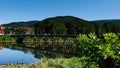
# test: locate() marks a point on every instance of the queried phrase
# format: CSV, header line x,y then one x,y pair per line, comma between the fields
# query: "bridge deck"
x,y
46,35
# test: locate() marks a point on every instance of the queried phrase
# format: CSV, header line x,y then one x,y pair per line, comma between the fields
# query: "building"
x,y
1,30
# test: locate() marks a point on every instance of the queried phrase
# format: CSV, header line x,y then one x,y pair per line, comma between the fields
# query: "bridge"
x,y
45,35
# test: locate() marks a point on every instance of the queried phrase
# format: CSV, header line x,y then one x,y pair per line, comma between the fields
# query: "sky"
x,y
27,10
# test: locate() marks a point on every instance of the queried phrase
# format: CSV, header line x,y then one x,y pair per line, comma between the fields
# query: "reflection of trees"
x,y
53,46
45,49
58,47
38,53
8,44
30,44
51,54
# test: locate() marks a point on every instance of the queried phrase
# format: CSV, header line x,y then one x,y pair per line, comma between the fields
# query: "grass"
x,y
58,63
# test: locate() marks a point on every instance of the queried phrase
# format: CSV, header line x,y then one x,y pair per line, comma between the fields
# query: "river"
x,y
15,54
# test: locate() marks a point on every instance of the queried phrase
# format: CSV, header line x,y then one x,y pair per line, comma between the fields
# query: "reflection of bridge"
x,y
46,35
65,47
48,51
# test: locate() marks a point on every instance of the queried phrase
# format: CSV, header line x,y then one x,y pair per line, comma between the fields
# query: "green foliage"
x,y
70,63
57,63
96,48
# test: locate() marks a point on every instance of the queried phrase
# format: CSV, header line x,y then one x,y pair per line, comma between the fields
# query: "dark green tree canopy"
x,y
64,24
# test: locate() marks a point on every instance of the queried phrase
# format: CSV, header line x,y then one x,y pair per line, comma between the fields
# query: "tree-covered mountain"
x,y
105,26
63,25
21,24
106,21
69,25
57,19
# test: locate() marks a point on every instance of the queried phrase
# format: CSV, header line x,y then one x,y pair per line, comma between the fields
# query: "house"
x,y
1,30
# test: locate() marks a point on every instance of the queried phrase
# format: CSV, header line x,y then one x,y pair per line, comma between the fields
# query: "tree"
x,y
59,28
99,28
112,27
39,28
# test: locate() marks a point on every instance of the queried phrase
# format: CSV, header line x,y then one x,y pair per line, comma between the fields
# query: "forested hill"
x,y
70,25
59,19
74,25
63,19
21,24
64,24
107,21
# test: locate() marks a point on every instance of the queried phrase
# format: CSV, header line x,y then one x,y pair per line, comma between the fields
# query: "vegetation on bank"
x,y
57,63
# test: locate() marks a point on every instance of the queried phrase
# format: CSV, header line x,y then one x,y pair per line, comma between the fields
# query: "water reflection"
x,y
54,46
47,50
33,52
8,56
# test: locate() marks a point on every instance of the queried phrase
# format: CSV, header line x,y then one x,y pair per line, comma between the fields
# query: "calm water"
x,y
8,56
13,54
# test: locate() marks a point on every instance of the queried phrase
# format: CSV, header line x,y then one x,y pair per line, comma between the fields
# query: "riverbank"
x,y
58,63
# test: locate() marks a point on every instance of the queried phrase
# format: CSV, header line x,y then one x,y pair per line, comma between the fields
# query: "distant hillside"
x,y
107,21
64,24
58,19
63,19
70,25
21,24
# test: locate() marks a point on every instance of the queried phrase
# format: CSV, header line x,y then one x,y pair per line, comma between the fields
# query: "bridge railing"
x,y
50,35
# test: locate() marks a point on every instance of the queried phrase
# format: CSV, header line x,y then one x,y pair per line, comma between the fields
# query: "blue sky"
x,y
27,10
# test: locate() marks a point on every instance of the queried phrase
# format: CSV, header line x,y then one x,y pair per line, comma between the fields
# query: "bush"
x,y
101,51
